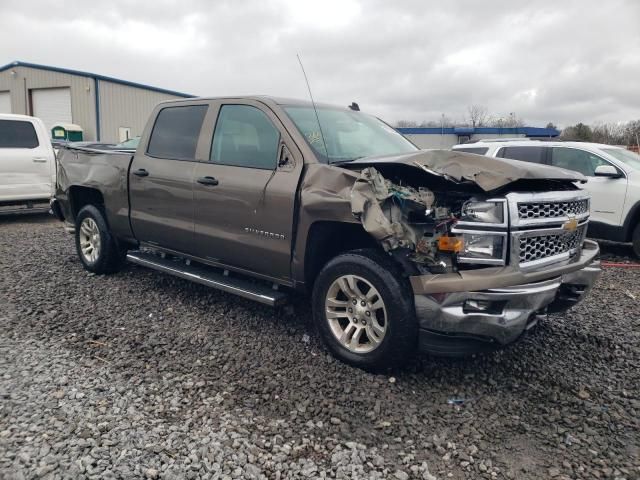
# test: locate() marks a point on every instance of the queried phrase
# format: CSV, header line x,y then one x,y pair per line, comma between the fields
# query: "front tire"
x,y
96,247
363,310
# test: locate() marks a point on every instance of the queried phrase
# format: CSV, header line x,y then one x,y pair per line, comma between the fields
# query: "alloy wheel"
x,y
89,240
356,313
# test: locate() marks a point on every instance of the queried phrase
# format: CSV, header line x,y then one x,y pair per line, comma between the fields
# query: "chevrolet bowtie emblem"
x,y
570,225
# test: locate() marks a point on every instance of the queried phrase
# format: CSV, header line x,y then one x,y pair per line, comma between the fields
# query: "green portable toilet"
x,y
67,131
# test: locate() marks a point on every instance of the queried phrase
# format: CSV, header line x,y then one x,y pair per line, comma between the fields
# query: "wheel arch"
x,y
326,240
80,196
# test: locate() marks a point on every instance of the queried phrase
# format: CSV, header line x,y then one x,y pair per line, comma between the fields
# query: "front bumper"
x,y
456,322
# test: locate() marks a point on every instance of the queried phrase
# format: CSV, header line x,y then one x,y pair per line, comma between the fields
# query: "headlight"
x,y
484,212
483,248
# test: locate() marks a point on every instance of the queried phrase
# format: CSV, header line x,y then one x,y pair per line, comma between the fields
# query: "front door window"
x,y
245,137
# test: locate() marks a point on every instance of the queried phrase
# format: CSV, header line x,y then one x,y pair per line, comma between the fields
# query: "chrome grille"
x,y
544,246
532,210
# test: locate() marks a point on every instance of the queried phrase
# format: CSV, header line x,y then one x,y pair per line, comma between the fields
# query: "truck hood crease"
x,y
489,173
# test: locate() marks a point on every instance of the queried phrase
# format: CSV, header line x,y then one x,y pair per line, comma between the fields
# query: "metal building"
x,y
108,109
446,137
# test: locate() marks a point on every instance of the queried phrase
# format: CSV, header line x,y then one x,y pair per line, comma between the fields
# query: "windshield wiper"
x,y
333,160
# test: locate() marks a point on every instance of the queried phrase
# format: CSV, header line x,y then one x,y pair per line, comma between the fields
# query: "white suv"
x,y
27,163
613,179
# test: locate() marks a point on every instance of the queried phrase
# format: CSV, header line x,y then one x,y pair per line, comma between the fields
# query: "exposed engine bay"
x,y
413,224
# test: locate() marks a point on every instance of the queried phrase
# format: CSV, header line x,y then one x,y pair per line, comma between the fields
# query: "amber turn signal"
x,y
450,244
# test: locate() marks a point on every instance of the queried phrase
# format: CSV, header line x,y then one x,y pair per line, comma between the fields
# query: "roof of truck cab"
x,y
264,99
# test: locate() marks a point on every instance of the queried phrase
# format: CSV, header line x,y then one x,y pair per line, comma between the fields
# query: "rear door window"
x,y
17,134
176,131
576,160
476,150
245,137
525,154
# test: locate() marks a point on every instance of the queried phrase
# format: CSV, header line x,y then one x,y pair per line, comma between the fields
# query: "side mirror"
x,y
285,160
607,171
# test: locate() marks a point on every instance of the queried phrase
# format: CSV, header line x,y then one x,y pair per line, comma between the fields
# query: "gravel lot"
x,y
139,374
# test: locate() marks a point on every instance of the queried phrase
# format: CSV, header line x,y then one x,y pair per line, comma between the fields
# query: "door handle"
x,y
141,172
40,159
208,181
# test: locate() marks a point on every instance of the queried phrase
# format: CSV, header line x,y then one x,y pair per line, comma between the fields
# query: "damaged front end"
x,y
421,228
487,251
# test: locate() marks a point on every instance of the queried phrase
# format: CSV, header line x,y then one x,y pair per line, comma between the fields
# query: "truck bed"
x,y
103,171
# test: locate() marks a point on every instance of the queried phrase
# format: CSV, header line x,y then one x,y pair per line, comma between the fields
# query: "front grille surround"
x,y
541,227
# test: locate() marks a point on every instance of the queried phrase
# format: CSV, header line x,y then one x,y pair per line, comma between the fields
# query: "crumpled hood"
x,y
488,173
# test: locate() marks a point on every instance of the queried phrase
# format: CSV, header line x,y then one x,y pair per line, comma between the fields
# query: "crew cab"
x,y
27,164
612,173
399,249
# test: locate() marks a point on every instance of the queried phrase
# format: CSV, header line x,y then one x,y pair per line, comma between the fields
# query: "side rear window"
x,y
526,154
17,134
176,131
476,150
245,137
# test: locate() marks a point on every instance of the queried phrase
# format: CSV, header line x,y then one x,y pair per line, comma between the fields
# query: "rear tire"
x,y
635,238
97,249
363,310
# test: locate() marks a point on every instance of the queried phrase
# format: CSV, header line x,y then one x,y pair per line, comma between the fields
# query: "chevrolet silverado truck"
x,y
400,249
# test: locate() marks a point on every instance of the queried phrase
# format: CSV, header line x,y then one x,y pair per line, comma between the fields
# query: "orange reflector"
x,y
450,244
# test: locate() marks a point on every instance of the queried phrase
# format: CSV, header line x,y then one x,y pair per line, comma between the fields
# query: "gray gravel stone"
x,y
139,375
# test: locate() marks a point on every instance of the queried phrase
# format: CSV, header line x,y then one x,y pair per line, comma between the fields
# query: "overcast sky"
x,y
547,61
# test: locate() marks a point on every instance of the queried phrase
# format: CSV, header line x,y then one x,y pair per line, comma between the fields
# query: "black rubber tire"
x,y
400,341
111,257
635,239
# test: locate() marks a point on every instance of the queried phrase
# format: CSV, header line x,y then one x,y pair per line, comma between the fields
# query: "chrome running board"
x,y
209,277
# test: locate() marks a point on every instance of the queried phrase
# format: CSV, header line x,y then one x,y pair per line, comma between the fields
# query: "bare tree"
x,y
632,133
506,121
609,133
477,115
514,121
579,132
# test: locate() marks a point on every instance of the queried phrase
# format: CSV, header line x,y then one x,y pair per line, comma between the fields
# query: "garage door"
x,y
52,105
5,102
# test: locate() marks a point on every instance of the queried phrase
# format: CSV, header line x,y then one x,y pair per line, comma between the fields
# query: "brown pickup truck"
x,y
399,248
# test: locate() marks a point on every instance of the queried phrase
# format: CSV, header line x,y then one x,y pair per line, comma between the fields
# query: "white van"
x,y
613,179
27,163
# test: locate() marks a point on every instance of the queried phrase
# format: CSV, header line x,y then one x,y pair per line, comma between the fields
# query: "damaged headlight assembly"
x,y
489,213
474,246
482,248
479,246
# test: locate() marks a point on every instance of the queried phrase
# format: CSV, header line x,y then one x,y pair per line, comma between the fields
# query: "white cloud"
x,y
546,61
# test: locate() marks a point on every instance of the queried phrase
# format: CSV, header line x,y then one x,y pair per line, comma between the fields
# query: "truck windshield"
x,y
345,135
